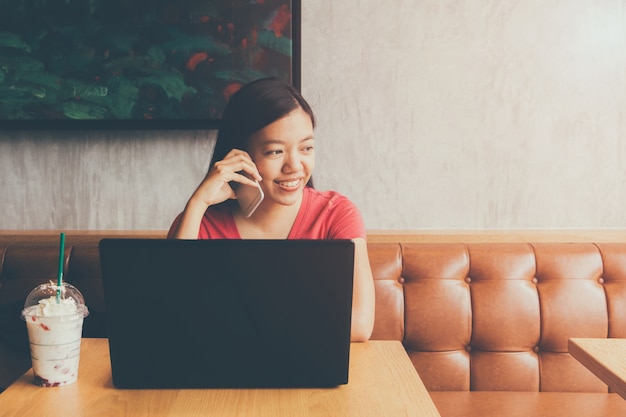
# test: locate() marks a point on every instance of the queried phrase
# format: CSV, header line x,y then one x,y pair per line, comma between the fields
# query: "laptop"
x,y
228,313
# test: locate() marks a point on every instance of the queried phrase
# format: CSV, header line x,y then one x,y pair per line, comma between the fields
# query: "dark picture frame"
x,y
138,64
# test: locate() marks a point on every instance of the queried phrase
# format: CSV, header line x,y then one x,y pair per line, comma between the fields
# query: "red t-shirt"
x,y
322,215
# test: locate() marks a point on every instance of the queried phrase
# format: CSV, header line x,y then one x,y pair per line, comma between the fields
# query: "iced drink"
x,y
54,319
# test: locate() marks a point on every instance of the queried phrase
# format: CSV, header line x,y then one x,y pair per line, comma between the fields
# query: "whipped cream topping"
x,y
49,307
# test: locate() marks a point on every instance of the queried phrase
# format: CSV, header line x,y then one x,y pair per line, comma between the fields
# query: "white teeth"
x,y
289,183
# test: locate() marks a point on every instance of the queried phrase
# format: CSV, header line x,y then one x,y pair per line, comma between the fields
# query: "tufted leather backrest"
x,y
490,316
498,316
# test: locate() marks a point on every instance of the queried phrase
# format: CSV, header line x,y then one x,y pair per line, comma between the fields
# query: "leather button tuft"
x,y
536,349
535,280
468,348
468,280
401,280
601,280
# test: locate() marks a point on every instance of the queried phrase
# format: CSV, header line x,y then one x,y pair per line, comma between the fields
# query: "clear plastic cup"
x,y
54,319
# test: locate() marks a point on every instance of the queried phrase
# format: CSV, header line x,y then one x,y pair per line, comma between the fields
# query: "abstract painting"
x,y
138,63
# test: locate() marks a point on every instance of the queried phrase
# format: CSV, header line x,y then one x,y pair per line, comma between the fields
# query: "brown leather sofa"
x,y
486,325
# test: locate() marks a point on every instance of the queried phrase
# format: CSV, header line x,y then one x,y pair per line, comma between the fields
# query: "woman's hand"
x,y
214,189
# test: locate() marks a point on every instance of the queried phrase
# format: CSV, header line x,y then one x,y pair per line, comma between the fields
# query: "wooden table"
x,y
606,358
382,382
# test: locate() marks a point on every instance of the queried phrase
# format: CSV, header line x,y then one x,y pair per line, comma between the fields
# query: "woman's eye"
x,y
308,149
273,152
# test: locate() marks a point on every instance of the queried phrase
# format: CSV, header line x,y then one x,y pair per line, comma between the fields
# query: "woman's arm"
x,y
214,189
187,225
363,298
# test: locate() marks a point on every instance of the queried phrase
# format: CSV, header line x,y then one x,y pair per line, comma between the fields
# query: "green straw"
x,y
60,274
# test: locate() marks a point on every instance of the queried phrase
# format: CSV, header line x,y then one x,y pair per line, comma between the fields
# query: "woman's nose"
x,y
293,162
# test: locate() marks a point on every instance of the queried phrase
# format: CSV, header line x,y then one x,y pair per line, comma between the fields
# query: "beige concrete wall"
x,y
476,114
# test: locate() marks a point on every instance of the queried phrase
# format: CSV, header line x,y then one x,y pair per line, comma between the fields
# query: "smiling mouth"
x,y
289,184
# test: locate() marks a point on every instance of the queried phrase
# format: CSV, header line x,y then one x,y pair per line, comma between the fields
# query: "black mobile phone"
x,y
249,197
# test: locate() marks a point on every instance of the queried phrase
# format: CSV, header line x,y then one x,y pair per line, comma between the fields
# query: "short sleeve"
x,y
345,220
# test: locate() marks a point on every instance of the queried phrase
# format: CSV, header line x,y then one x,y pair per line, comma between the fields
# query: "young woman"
x,y
266,134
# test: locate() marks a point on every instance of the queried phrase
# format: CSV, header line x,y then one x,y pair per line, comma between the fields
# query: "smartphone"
x,y
249,197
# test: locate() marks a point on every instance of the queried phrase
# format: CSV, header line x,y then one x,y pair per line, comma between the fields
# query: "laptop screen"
x,y
228,313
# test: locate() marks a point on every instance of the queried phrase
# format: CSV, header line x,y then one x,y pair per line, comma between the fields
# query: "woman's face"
x,y
284,155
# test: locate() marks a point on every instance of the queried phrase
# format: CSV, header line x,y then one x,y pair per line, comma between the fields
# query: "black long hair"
x,y
254,106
